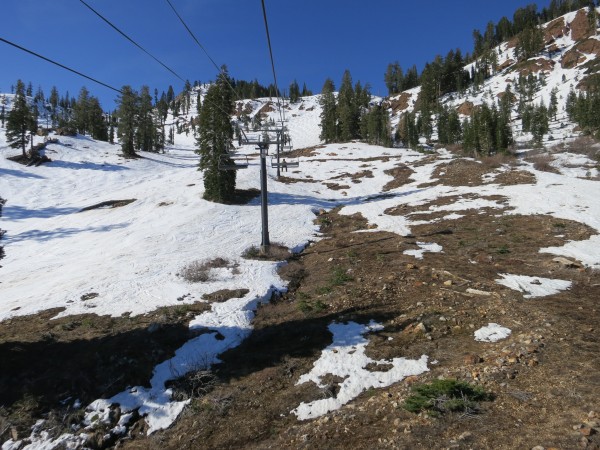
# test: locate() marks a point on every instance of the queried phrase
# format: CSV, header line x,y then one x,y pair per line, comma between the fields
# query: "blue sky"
x,y
312,40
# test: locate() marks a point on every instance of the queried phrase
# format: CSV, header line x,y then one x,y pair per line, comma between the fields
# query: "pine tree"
x,y
81,109
394,78
294,91
20,120
145,131
96,121
553,107
329,121
348,114
127,119
215,140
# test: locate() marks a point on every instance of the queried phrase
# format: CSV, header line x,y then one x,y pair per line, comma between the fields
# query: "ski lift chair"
x,y
230,162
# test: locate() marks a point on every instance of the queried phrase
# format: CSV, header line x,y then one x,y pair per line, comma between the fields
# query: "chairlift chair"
x,y
284,162
231,162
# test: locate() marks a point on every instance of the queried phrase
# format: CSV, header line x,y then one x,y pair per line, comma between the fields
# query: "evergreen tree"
x,y
294,92
375,126
329,121
553,107
394,78
305,91
97,125
348,114
127,119
529,43
215,140
81,112
20,120
145,130
407,130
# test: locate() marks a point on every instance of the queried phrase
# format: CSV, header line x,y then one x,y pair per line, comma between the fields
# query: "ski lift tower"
x,y
262,145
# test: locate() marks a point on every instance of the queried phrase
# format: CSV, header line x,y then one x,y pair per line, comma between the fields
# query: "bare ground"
x,y
544,376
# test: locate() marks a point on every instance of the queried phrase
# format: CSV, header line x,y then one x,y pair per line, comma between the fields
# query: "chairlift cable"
x,y
61,65
131,40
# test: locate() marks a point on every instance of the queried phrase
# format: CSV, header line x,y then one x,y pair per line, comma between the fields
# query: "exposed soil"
x,y
544,376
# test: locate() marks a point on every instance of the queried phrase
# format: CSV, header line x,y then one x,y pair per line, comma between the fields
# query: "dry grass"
x,y
585,145
542,162
199,271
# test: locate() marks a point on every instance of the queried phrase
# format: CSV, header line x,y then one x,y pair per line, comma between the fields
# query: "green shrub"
x,y
446,395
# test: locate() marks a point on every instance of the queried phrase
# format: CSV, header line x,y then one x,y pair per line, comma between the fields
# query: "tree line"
x,y
350,116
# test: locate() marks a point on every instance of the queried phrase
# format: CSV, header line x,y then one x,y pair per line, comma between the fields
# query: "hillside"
x,y
397,267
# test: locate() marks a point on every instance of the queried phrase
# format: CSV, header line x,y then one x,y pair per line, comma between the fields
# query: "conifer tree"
x,y
215,140
20,120
294,92
145,130
81,112
348,115
97,123
329,121
127,118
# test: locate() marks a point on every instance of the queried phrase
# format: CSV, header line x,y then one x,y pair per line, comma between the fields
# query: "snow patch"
x,y
492,333
533,286
346,358
424,247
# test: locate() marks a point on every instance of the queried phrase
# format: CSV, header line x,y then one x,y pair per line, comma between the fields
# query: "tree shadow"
x,y
105,167
20,174
14,213
61,233
279,198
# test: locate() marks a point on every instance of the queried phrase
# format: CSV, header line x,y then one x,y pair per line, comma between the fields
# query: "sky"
x,y
312,40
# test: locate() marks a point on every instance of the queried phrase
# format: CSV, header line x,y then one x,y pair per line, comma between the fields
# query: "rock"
x,y
448,283
566,263
538,447
464,436
478,292
471,358
587,431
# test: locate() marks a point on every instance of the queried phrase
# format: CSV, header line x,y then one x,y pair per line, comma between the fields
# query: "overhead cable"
x,y
272,61
131,40
60,65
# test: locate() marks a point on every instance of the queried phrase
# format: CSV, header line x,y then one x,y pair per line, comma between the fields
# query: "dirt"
x,y
544,376
533,66
400,104
466,108
580,26
554,30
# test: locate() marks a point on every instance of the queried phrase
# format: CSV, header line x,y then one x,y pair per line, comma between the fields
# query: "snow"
x,y
424,247
533,286
130,256
492,332
345,358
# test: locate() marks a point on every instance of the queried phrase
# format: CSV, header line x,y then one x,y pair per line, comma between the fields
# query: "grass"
x,y
446,395
307,307
275,252
339,277
199,271
503,250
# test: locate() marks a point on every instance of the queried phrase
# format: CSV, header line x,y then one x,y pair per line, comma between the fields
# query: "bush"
x,y
275,252
199,271
446,395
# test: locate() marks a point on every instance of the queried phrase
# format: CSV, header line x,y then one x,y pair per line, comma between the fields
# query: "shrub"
x,y
446,395
275,252
199,271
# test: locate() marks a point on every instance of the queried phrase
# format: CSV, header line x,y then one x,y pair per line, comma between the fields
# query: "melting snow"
x,y
533,286
346,358
492,333
424,247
